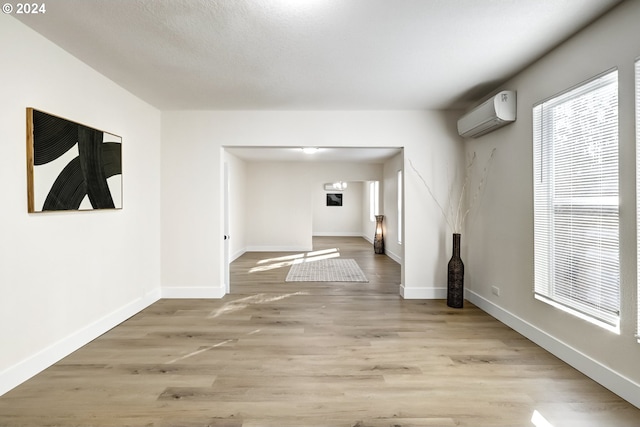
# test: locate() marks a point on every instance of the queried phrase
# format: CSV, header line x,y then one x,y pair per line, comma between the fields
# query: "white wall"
x,y
393,247
499,237
345,220
257,223
285,203
279,207
191,190
367,225
238,211
348,220
65,278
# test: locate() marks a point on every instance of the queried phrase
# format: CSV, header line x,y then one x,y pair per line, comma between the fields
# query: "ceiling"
x,y
323,154
311,54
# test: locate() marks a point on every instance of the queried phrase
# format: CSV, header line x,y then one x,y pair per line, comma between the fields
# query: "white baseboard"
x,y
617,383
423,293
337,234
397,258
22,371
193,292
237,255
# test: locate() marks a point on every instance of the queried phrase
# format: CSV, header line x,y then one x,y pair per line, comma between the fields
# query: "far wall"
x,y
345,220
285,203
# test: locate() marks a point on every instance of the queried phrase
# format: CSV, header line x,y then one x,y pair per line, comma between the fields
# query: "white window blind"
x,y
374,199
638,187
576,250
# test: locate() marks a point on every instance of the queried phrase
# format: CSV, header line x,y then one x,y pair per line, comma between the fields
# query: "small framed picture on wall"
x,y
334,199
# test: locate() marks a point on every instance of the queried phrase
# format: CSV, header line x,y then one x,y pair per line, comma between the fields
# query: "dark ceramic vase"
x,y
455,276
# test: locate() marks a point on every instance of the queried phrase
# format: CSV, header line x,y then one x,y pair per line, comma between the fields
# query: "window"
x,y
374,200
575,139
400,203
638,185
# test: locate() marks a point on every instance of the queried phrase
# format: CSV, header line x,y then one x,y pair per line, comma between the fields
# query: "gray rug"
x,y
326,270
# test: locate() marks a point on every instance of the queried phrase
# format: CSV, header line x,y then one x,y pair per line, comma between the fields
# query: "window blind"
x,y
374,199
576,249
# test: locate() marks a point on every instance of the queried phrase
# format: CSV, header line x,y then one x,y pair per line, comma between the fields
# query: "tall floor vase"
x,y
455,276
378,238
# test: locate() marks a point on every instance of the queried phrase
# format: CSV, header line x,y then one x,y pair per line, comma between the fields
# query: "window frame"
x,y
548,209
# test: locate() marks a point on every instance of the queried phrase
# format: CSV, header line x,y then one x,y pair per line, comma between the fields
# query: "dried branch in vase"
x,y
456,214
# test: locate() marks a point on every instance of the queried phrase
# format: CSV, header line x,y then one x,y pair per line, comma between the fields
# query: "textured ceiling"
x,y
311,54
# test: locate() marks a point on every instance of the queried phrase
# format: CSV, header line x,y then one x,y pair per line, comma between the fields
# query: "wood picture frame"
x,y
70,166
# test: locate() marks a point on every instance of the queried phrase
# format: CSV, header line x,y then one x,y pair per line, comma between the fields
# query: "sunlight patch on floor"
x,y
539,421
318,257
281,259
288,260
242,303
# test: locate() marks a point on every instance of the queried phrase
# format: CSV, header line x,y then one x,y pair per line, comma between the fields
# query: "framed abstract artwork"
x,y
71,166
334,199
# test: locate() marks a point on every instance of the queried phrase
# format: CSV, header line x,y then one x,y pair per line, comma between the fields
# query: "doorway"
x,y
269,192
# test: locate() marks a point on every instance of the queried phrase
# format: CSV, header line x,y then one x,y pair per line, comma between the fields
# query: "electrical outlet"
x,y
495,290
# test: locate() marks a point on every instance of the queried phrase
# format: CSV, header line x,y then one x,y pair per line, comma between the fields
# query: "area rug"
x,y
326,270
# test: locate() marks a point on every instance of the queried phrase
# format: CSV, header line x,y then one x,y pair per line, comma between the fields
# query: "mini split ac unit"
x,y
497,111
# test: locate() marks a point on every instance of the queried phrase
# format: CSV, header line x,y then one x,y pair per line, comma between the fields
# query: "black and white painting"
x,y
71,166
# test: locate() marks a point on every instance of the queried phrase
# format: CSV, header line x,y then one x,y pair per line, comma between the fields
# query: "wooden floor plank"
x,y
347,354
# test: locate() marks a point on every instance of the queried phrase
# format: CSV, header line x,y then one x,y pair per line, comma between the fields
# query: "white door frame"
x,y
226,236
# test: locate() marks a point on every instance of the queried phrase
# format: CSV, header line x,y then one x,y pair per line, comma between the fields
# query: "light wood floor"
x,y
312,354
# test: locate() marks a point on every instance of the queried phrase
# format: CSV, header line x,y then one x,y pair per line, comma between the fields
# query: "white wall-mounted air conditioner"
x,y
497,111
